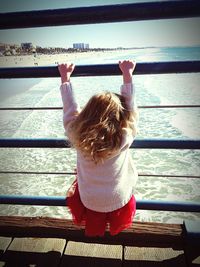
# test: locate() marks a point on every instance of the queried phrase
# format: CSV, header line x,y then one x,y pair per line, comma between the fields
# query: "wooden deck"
x,y
41,242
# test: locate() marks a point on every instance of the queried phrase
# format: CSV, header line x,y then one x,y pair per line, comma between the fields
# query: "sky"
x,y
174,32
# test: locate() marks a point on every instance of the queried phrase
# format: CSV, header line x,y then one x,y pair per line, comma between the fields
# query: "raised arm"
x,y
128,89
70,107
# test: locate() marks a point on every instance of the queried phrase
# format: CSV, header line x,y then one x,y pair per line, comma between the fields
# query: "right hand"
x,y
65,71
127,66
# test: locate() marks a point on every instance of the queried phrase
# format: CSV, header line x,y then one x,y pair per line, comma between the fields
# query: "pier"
x,y
44,241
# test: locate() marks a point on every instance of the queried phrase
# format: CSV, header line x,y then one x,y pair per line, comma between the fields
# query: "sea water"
x,y
165,89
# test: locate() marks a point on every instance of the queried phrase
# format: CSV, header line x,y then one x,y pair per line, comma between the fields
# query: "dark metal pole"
x,y
102,70
62,201
101,14
138,143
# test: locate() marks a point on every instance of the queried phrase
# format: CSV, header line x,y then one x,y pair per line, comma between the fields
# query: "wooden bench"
x,y
141,233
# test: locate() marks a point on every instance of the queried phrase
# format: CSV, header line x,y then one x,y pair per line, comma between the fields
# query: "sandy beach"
x,y
39,60
45,60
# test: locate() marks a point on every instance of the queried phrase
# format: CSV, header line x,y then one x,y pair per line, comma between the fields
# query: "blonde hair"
x,y
98,129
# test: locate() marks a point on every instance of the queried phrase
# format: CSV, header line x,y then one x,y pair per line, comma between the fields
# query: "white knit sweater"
x,y
106,186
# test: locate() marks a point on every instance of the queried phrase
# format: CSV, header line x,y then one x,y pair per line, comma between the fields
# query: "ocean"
x,y
165,89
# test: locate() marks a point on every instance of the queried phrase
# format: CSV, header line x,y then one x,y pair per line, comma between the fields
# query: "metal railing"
x,y
101,14
62,143
62,201
102,70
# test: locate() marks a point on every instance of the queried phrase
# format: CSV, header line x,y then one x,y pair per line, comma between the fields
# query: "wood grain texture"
x,y
155,257
140,233
88,254
4,244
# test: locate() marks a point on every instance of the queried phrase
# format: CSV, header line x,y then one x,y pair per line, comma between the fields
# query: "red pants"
x,y
96,222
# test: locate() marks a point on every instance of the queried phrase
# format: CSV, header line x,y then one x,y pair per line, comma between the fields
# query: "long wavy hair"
x,y
98,129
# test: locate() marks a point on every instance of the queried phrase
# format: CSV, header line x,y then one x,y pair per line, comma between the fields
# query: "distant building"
x,y
80,46
9,49
4,47
27,46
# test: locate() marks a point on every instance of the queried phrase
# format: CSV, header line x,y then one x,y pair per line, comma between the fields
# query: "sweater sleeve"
x,y
128,91
70,107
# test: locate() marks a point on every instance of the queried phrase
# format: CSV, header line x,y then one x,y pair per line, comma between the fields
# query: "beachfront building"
x,y
9,49
81,46
28,47
4,47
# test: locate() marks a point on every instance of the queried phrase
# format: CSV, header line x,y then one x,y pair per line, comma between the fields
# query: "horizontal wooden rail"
x,y
101,14
102,69
62,143
181,206
148,234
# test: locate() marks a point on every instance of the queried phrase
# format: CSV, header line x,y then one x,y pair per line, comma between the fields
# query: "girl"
x,y
102,134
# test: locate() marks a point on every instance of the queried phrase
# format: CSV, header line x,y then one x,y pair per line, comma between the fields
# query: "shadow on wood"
x,y
23,259
33,252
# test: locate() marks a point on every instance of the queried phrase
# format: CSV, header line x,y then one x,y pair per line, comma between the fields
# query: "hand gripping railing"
x,y
102,14
103,69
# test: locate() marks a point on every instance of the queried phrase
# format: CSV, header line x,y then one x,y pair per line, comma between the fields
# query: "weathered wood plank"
x,y
84,254
140,234
34,252
4,243
153,257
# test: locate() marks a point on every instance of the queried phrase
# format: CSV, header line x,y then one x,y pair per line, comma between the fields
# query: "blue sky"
x,y
176,32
